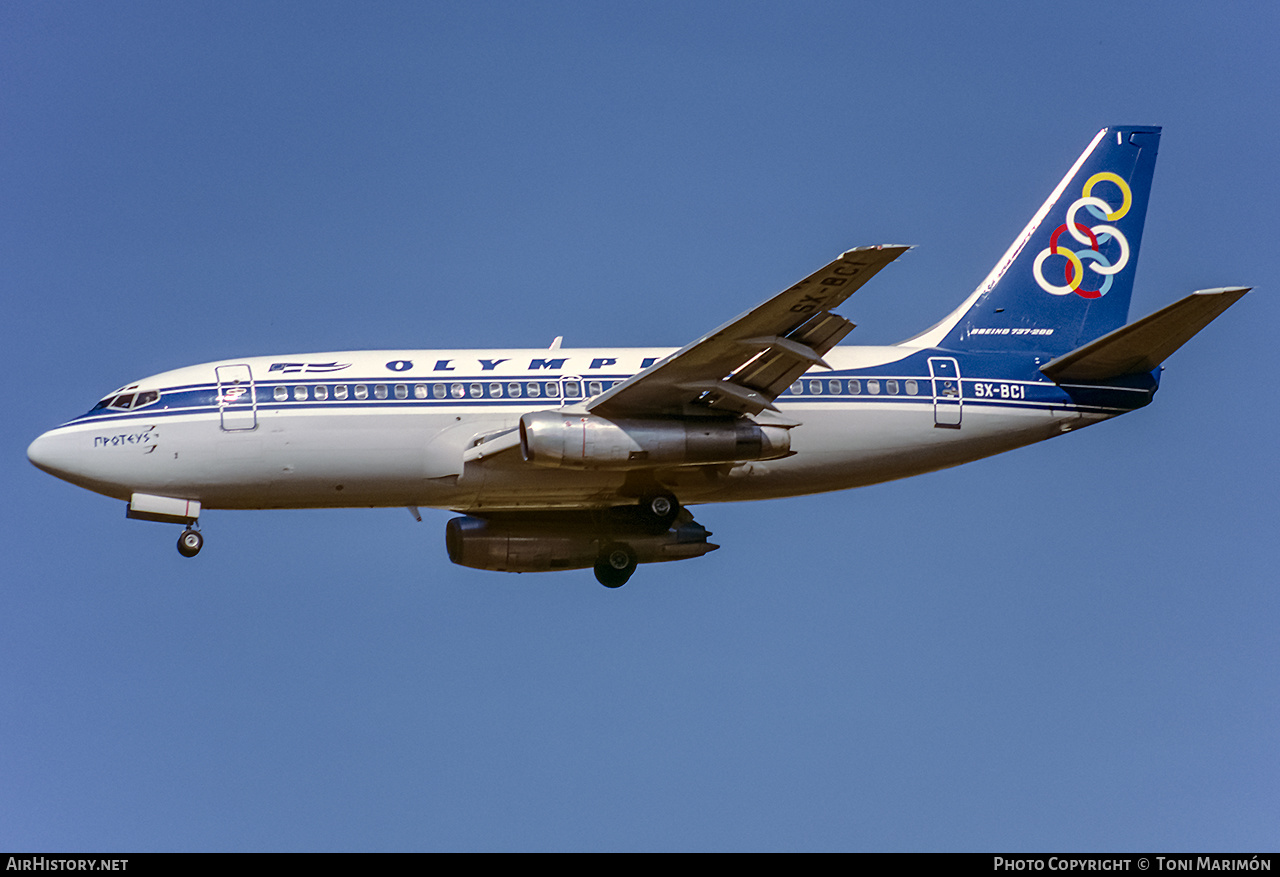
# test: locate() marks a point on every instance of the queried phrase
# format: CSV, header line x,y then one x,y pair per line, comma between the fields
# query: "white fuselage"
x,y
390,428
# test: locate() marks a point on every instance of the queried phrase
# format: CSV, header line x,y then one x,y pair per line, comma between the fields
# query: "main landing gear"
x,y
190,542
660,510
616,564
656,513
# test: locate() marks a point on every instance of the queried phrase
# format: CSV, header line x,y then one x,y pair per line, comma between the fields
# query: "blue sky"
x,y
1071,646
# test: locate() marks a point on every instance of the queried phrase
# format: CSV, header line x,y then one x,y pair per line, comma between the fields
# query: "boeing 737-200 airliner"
x,y
566,459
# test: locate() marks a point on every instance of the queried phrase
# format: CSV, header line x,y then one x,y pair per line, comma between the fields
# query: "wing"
x,y
744,365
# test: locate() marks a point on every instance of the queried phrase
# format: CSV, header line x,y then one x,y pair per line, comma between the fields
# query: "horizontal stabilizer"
x,y
1141,346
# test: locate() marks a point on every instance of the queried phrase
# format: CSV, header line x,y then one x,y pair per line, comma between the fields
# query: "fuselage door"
x,y
236,401
948,400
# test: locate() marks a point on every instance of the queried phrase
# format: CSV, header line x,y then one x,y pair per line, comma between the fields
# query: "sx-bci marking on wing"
x,y
562,459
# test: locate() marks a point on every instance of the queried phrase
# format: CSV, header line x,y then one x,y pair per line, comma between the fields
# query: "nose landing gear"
x,y
169,510
190,542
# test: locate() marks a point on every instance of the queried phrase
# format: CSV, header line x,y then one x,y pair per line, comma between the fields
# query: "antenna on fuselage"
x,y
555,345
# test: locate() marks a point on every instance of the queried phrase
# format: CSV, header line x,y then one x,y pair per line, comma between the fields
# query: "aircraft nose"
x,y
52,452
72,455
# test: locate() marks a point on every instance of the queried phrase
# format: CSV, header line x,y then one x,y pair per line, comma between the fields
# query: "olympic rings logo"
x,y
1092,236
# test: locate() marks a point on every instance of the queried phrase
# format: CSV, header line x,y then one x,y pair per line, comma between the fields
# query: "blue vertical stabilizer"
x,y
1068,277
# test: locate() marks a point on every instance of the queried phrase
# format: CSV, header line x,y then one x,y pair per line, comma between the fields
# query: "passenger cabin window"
x,y
513,390
361,391
535,390
300,394
873,386
419,391
402,391
477,391
340,391
495,391
380,391
281,394
321,391
815,387
457,391
891,387
912,388
855,387
439,391
834,388
553,390
594,388
797,388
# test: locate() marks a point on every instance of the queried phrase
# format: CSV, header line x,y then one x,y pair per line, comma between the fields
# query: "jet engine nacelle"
x,y
534,546
562,440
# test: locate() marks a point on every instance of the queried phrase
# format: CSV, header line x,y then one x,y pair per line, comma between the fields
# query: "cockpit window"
x,y
126,401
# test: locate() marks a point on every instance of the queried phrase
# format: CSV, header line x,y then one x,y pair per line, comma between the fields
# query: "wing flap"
x,y
745,364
